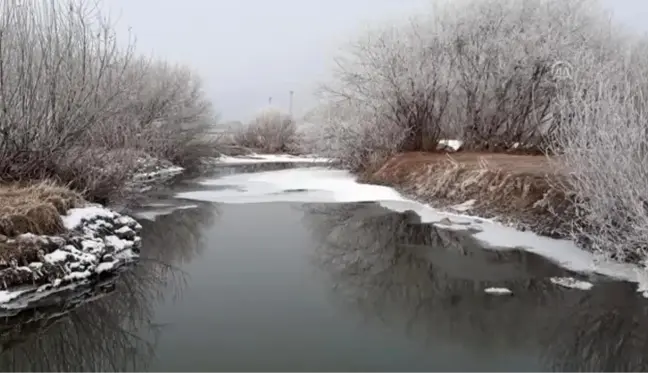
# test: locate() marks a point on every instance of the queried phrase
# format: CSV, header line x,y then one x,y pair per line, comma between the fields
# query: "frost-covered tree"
x,y
479,71
77,106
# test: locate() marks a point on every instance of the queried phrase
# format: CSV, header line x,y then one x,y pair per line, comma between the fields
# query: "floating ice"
x,y
498,291
570,282
270,158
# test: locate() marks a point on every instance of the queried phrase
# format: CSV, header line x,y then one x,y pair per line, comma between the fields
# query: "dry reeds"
x,y
521,195
34,208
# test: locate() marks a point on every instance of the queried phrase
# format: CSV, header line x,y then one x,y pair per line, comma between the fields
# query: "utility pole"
x,y
290,103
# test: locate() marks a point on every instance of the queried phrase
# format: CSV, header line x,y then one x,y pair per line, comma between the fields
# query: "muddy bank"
x,y
518,190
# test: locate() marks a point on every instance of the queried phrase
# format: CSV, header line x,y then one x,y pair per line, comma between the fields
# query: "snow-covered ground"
x,y
322,185
101,241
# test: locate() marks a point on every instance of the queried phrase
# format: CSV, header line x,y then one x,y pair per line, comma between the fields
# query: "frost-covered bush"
x,y
482,71
271,131
603,149
342,134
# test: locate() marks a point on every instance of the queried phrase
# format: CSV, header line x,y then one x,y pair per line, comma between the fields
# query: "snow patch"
x,y
9,295
123,230
56,256
76,216
162,173
115,242
465,206
455,145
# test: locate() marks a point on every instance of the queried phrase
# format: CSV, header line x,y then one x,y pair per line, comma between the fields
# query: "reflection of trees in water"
x,y
115,331
430,282
603,331
177,237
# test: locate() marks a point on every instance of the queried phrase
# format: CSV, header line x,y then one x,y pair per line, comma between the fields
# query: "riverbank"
x,y
517,190
53,240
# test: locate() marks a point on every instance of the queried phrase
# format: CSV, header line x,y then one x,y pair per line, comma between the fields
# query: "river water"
x,y
297,281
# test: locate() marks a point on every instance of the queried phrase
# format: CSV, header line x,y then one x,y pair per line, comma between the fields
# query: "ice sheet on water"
x,y
154,213
270,158
293,185
325,185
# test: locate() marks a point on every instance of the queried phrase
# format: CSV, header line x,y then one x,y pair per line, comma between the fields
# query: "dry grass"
x,y
517,188
399,166
34,208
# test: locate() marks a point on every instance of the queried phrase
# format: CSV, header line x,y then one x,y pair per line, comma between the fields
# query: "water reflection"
x,y
429,282
109,326
602,331
177,237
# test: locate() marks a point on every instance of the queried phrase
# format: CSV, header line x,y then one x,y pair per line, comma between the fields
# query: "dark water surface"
x,y
329,287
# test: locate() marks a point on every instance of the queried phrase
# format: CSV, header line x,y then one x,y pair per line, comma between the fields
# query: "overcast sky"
x,y
249,50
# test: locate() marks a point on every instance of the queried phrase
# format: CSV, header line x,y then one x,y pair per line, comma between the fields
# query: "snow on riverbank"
x,y
163,173
322,185
100,241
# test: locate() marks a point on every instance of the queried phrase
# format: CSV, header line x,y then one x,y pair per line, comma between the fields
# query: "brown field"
x,y
519,189
34,208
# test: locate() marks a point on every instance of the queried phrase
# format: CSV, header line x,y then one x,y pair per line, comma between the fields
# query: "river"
x,y
236,276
